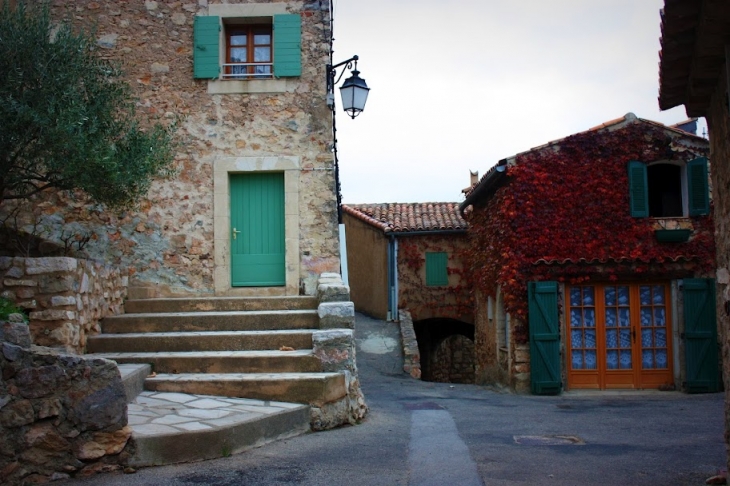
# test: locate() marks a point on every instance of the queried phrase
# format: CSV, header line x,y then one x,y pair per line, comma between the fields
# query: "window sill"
x,y
679,223
251,86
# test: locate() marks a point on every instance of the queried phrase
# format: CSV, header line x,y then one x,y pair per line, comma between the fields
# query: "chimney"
x,y
474,177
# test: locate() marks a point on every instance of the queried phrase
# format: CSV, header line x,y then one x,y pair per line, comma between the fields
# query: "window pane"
x,y
612,359
660,337
611,339
661,358
623,295
261,39
660,316
623,317
589,317
238,54
610,295
645,295
575,319
238,40
575,296
611,320
625,360
658,295
261,54
646,316
576,360
576,338
591,361
647,359
646,338
625,338
588,296
590,337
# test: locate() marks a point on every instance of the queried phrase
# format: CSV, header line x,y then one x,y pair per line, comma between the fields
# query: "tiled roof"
x,y
593,261
409,217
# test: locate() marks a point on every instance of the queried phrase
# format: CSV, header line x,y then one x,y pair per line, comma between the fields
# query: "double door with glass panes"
x,y
619,336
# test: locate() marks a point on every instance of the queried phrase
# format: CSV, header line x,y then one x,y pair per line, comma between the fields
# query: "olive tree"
x,y
67,116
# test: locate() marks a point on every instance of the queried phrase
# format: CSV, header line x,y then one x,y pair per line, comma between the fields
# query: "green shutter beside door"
x,y
437,273
206,51
698,190
638,190
544,338
700,334
287,45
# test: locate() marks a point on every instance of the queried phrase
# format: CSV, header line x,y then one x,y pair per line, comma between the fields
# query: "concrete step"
x,y
170,428
199,341
312,388
211,321
209,304
269,361
133,376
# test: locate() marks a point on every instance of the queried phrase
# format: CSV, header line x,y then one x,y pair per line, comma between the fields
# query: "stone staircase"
x,y
270,349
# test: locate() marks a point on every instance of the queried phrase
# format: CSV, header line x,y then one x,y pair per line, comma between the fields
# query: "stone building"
x,y
695,72
252,208
593,260
407,257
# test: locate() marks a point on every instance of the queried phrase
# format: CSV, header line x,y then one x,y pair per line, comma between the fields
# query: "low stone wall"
x,y
65,297
334,345
411,354
453,360
61,414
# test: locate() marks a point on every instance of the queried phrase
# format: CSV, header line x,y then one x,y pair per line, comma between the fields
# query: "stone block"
x,y
37,266
16,333
333,293
19,283
63,300
334,315
336,349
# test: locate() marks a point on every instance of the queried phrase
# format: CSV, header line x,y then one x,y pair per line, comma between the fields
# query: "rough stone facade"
x,y
65,298
61,415
176,242
453,360
411,355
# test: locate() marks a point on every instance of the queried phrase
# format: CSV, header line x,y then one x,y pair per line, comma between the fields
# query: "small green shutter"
x,y
437,274
700,334
638,190
544,338
287,45
699,192
206,39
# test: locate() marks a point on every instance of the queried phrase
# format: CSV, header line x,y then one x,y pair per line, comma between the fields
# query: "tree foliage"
x,y
68,117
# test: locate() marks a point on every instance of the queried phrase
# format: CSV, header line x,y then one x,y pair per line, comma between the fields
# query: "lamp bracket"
x,y
332,72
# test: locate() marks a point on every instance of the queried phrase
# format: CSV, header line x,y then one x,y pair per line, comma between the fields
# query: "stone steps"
x,y
211,304
200,341
213,320
311,388
297,361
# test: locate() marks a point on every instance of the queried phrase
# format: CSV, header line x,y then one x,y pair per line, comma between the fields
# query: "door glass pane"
x,y
612,359
645,295
658,298
654,322
583,346
618,334
623,295
623,317
575,297
626,360
588,298
610,296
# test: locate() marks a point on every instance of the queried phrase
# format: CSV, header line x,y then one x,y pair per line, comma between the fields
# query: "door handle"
x,y
633,336
235,232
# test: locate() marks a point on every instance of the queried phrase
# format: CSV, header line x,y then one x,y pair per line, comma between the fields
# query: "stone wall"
x,y
334,345
411,354
61,415
453,360
65,298
168,242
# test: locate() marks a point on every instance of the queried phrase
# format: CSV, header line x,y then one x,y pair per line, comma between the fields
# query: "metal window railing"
x,y
240,70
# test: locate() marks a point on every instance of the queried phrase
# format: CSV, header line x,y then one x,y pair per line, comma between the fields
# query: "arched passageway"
x,y
446,347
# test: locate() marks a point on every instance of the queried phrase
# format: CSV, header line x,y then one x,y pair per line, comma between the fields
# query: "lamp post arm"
x,y
331,72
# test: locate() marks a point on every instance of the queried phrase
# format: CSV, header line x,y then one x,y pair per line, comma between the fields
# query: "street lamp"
x,y
354,90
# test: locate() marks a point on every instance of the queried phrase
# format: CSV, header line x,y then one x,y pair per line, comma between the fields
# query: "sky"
x,y
458,85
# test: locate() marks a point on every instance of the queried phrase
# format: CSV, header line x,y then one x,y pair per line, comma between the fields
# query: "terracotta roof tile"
x,y
409,217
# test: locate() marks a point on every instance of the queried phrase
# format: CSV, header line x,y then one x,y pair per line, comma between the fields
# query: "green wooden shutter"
x,y
638,190
287,45
436,269
700,335
544,338
698,190
206,51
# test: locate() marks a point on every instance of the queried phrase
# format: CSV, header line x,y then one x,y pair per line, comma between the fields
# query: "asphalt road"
x,y
420,433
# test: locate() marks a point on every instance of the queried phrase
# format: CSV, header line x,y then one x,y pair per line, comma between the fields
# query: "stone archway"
x,y
446,347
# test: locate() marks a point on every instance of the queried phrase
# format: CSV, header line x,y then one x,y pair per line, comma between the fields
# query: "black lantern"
x,y
354,90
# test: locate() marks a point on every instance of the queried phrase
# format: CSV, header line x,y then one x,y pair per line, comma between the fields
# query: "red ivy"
x,y
572,203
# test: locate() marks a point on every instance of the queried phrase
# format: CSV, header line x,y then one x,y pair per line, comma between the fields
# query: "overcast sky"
x,y
458,85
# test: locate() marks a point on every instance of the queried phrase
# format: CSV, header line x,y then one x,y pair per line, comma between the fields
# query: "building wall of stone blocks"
x,y
424,302
453,360
171,243
65,298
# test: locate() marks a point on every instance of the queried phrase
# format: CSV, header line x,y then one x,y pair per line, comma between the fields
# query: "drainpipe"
x,y
393,278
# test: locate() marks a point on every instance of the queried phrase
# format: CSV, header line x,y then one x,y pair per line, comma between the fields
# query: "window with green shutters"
x,y
437,274
668,190
212,32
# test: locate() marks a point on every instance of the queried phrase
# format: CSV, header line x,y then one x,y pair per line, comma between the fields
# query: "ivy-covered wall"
x,y
453,301
564,215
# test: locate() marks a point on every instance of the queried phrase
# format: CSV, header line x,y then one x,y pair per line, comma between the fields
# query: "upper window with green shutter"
x,y
249,43
669,190
437,274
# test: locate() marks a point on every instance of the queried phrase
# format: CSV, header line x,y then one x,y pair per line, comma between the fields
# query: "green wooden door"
x,y
257,230
544,338
700,334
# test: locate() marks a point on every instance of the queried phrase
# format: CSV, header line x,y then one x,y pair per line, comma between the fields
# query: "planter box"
x,y
673,235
